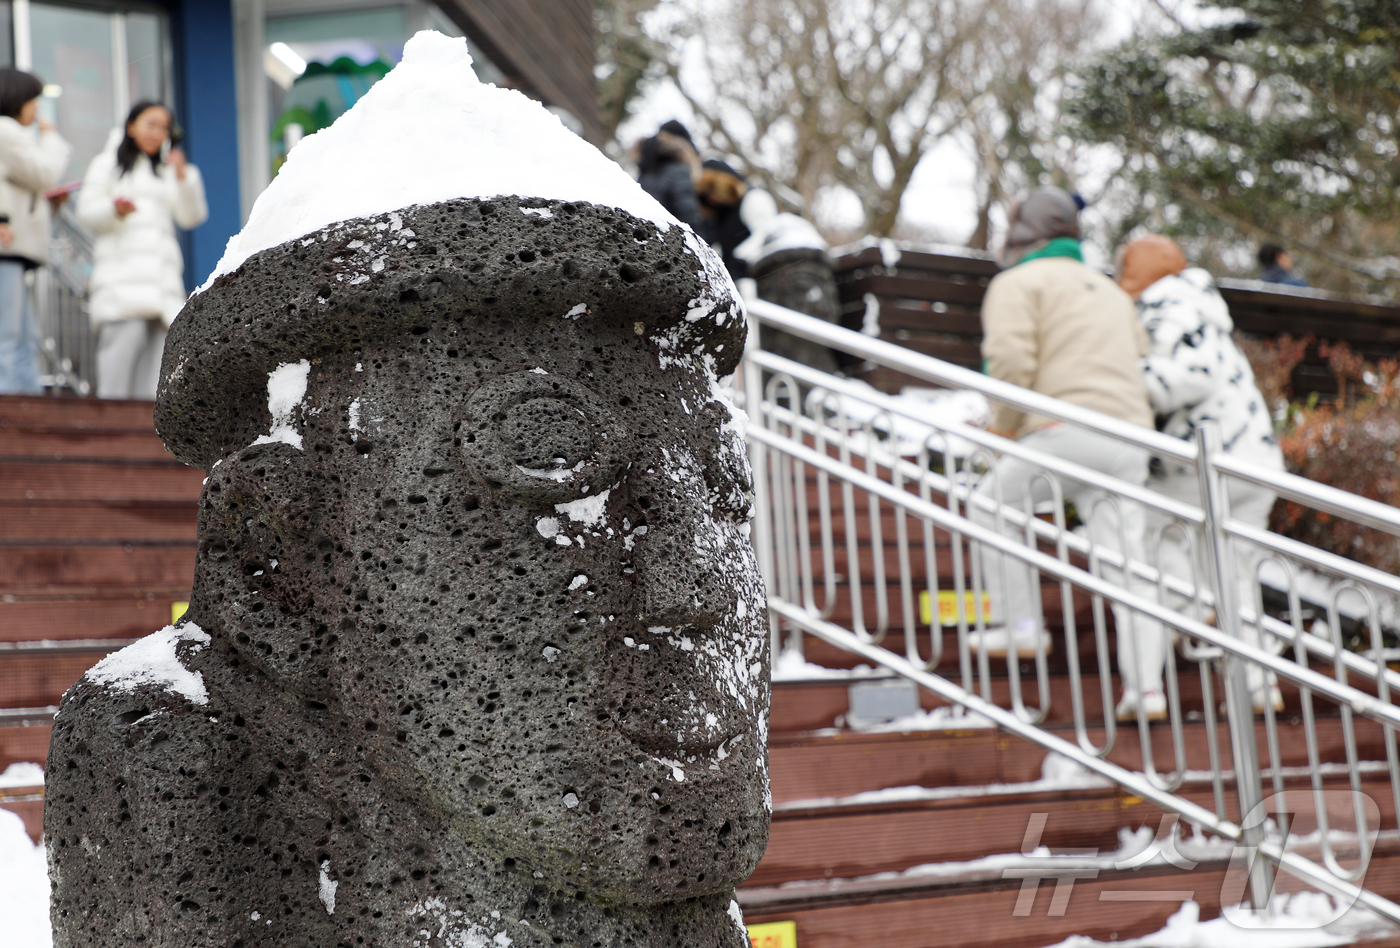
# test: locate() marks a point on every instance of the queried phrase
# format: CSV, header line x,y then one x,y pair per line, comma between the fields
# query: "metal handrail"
x,y
794,436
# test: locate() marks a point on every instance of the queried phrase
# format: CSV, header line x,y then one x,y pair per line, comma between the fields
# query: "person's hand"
x,y
177,160
123,206
7,235
45,126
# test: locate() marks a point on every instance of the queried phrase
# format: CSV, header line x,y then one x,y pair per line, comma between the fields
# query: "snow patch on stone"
x,y
325,888
588,511
286,389
153,661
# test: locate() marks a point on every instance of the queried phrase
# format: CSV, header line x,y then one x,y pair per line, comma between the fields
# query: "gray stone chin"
x,y
487,651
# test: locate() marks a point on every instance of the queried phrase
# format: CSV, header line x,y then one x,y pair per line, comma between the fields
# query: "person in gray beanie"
x,y
1057,327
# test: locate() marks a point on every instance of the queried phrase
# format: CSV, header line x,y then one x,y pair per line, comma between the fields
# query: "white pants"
x,y
1249,504
128,358
1114,524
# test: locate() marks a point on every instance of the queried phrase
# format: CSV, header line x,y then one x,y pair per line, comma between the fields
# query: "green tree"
x,y
1276,122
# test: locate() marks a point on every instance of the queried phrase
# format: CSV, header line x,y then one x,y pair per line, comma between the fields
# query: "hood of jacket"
x,y
1193,289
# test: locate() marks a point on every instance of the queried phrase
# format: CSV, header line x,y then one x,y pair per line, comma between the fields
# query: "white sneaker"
x,y
1153,704
1025,636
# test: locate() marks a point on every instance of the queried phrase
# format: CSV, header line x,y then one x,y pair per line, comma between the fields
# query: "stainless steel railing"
x,y
851,526
67,343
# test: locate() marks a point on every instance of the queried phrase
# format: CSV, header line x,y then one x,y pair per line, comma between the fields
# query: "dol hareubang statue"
x,y
477,652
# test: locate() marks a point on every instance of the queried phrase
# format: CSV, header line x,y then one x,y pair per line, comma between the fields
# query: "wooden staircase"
x,y
97,541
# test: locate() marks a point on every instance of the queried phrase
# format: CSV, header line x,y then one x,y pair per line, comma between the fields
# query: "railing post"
x,y
758,457
1239,706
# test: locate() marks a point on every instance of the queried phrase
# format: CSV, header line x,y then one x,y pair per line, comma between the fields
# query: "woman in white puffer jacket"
x,y
1196,374
133,197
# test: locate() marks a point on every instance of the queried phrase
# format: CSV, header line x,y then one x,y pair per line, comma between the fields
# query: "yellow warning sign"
x,y
948,607
177,609
773,935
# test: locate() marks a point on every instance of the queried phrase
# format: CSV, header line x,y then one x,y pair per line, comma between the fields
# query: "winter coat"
x,y
30,168
1057,327
670,179
137,269
1195,373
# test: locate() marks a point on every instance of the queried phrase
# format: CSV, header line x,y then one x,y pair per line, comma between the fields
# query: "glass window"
x,y
146,57
72,49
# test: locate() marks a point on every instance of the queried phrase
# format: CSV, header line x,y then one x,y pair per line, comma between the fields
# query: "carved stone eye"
x,y
541,438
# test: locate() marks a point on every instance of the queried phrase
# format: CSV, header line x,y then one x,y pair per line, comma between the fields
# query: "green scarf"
x,y
1059,247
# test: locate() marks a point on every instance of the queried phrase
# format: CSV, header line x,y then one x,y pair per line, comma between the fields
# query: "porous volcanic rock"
x,y
477,648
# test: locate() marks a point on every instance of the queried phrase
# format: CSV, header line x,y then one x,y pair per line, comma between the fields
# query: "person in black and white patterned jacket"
x,y
1195,374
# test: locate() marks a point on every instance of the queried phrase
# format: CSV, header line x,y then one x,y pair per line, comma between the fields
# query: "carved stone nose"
x,y
681,570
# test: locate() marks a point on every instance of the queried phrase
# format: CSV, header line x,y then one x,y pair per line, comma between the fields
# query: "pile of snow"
x,y
790,665
22,775
1297,922
153,661
24,884
934,411
431,131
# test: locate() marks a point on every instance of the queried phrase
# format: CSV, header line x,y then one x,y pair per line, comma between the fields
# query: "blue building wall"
x,y
202,34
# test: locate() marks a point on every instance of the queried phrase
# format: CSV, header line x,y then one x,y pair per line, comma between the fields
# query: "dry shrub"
x,y
1349,444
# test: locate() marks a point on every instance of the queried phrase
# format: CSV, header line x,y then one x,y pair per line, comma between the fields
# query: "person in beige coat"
x,y
1054,326
134,196
29,166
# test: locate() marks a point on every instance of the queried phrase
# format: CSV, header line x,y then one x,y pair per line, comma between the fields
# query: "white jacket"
x,y
30,166
137,270
1194,371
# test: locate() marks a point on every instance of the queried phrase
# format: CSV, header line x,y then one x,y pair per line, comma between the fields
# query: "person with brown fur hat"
x,y
1195,373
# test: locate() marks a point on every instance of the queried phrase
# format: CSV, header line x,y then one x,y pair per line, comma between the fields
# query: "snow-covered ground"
x,y
24,873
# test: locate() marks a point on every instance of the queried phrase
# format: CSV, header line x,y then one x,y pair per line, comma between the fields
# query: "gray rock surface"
x,y
476,654
802,279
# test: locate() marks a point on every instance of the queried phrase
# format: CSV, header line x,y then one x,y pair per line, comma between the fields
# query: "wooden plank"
x,y
30,411
24,744
34,567
843,763
93,521
850,841
982,914
548,46
59,444
27,479
71,617
918,286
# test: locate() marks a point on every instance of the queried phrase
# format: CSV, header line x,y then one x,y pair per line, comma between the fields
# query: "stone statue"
x,y
477,649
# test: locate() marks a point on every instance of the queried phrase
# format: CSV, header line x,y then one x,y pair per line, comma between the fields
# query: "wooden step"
x,y
31,479
74,444
28,804
976,906
94,521
862,836
50,567
38,411
130,616
843,763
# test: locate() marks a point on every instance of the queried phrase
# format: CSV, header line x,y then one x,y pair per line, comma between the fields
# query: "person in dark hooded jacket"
x,y
721,191
668,167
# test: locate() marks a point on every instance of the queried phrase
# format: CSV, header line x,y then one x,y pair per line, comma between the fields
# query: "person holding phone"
x,y
134,195
29,166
